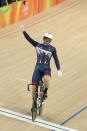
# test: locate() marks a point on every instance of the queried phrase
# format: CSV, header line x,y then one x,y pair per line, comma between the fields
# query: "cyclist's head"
x,y
47,38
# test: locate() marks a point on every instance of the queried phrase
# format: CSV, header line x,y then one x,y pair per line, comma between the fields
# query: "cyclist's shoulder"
x,y
48,47
39,45
53,48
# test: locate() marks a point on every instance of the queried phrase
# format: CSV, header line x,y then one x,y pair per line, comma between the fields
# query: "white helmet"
x,y
48,35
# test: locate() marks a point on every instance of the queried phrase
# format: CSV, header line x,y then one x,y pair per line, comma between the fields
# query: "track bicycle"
x,y
37,105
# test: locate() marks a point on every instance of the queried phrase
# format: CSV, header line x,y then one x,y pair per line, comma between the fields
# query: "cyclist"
x,y
44,53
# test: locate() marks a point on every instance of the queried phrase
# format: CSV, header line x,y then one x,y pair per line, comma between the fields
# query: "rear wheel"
x,y
40,107
40,110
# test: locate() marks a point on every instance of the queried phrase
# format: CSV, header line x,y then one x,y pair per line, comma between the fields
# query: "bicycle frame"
x,y
39,100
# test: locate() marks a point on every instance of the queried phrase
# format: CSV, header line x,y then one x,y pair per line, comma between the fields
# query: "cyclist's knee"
x,y
46,78
34,92
34,88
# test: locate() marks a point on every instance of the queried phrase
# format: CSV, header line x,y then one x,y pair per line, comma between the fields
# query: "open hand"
x,y
22,28
59,73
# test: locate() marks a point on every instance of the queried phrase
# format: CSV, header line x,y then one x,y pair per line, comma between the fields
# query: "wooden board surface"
x,y
68,23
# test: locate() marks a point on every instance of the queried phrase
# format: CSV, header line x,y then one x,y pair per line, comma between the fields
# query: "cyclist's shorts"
x,y
39,72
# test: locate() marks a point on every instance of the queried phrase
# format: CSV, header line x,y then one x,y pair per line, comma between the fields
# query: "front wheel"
x,y
34,114
34,110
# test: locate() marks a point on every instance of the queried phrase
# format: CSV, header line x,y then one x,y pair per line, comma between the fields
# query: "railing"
x,y
21,10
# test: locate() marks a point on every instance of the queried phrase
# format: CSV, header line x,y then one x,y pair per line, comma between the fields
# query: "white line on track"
x,y
37,122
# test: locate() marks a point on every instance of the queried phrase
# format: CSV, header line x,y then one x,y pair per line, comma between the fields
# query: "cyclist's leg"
x,y
35,80
46,78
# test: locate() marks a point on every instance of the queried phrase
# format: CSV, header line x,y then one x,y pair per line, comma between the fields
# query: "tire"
x,y
40,110
34,114
34,110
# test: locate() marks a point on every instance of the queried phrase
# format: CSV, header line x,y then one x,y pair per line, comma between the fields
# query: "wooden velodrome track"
x,y
67,95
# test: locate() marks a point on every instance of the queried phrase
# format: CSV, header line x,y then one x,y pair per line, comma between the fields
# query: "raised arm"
x,y
33,42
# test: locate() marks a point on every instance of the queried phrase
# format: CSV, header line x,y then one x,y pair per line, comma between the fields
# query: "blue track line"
x,y
74,115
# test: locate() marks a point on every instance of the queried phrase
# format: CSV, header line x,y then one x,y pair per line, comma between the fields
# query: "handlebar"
x,y
40,84
30,85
